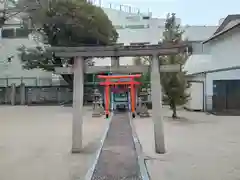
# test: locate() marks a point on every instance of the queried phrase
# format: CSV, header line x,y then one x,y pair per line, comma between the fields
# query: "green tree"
x,y
64,23
174,83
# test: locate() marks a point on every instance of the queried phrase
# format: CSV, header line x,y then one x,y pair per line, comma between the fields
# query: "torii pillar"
x,y
77,121
156,93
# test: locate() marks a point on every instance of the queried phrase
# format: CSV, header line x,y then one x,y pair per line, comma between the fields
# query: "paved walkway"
x,y
118,158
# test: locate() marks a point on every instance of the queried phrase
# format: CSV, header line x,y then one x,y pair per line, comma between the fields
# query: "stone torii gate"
x,y
116,51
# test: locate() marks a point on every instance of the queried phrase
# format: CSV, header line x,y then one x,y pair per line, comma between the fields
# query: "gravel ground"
x,y
118,158
199,147
35,143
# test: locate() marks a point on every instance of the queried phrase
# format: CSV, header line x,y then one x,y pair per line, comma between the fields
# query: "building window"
x,y
132,26
15,33
133,18
145,17
22,33
8,33
137,26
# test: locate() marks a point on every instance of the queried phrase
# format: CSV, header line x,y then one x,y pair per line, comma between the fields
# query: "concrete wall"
x,y
13,69
197,47
225,50
23,95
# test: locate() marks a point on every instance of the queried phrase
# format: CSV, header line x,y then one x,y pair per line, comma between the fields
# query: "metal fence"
x,y
37,90
48,95
43,91
31,81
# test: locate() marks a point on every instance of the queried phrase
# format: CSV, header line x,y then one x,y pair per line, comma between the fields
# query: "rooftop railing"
x,y
120,7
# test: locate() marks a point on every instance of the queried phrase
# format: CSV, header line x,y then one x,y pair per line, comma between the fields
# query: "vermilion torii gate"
x,y
131,83
116,51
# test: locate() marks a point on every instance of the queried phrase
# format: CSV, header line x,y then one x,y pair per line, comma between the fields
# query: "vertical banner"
x,y
2,6
129,101
2,13
112,101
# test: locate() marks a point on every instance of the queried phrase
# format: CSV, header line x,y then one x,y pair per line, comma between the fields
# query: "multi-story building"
x,y
132,26
11,71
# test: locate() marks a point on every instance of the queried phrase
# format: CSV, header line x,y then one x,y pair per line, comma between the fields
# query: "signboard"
x,y
63,70
170,68
2,5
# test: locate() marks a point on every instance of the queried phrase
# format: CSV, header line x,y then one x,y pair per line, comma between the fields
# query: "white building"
x,y
12,37
131,25
142,27
216,74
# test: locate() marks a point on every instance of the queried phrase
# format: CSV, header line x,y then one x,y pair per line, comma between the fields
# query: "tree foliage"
x,y
65,23
174,84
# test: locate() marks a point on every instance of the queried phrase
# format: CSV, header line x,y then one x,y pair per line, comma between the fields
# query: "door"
x,y
233,95
226,95
196,100
219,98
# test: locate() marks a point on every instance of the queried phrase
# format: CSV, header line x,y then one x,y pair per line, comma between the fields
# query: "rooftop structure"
x,y
120,7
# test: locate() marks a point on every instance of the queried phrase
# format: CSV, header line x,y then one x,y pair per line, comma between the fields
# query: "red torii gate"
x,y
131,83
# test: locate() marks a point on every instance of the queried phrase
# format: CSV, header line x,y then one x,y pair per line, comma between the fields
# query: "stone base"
x,y
144,115
96,114
144,112
76,151
102,111
138,110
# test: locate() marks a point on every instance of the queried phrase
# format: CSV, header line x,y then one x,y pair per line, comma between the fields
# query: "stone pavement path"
x,y
118,158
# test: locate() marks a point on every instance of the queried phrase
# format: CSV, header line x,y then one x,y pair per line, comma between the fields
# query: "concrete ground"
x,y
199,147
35,143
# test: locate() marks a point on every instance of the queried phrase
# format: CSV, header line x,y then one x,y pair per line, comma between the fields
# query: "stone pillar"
x,y
115,62
7,94
22,94
13,94
59,96
157,106
77,105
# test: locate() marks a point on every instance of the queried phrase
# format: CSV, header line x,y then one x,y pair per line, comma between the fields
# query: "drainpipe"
x,y
205,91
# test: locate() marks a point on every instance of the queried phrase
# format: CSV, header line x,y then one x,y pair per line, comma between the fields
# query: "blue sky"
x,y
192,12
